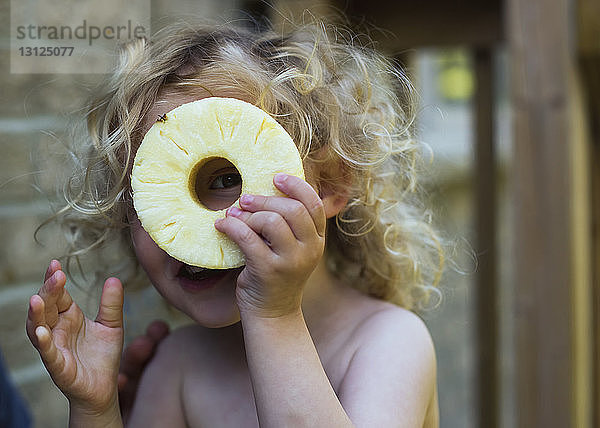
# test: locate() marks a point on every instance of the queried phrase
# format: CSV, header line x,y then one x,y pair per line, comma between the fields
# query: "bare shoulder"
x,y
399,338
178,338
190,343
158,400
174,348
161,399
391,378
376,321
396,327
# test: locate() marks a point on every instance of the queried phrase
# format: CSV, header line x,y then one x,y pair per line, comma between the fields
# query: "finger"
x,y
252,245
51,293
64,302
52,267
35,317
297,188
49,287
157,331
53,359
54,290
110,313
300,190
122,382
136,356
140,351
273,228
293,211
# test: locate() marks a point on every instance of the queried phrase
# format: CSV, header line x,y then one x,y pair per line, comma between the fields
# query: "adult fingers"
x,y
141,349
157,331
135,358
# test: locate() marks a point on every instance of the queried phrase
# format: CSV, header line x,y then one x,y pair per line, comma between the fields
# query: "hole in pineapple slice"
x,y
215,183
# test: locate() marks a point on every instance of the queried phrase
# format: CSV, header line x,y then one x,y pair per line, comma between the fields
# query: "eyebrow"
x,y
218,172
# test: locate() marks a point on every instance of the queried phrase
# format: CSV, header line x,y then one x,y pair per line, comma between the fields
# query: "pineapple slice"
x,y
172,151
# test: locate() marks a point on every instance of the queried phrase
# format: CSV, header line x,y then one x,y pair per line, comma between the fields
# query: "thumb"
x,y
110,312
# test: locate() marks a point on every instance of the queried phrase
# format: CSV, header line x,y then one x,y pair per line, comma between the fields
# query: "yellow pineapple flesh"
x,y
172,151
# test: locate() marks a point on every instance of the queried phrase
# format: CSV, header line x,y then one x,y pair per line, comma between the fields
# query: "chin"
x,y
218,322
211,304
216,325
215,315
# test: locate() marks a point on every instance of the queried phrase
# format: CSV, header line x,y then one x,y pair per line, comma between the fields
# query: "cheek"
x,y
148,253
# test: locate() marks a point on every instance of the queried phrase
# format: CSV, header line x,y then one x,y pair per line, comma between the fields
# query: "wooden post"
x,y
549,188
485,218
595,172
588,33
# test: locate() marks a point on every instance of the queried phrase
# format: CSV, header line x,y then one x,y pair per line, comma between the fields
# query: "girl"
x,y
315,329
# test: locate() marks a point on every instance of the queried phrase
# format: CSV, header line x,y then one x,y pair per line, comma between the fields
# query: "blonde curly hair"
x,y
349,110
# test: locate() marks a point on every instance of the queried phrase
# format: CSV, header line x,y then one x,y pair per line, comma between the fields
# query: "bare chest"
x,y
217,392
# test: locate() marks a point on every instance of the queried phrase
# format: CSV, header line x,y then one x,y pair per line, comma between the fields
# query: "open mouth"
x,y
195,278
196,273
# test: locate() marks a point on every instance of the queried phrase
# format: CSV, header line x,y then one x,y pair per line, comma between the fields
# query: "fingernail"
x,y
246,199
40,331
234,211
53,278
280,178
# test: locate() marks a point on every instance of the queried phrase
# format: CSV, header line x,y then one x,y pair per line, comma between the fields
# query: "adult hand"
x,y
135,358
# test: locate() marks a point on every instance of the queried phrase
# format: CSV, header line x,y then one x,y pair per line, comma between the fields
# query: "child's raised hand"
x,y
81,355
283,240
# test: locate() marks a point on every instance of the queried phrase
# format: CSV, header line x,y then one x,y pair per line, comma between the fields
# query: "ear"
x,y
333,199
325,173
333,204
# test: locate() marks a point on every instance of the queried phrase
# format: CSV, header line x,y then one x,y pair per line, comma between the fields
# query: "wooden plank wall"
x,y
557,329
588,34
550,196
486,291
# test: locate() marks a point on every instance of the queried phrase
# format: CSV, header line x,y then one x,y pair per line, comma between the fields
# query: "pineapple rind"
x,y
248,137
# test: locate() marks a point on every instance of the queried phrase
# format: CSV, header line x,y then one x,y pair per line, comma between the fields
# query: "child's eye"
x,y
225,181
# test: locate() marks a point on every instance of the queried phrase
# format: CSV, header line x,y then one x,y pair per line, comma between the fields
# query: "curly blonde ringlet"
x,y
349,110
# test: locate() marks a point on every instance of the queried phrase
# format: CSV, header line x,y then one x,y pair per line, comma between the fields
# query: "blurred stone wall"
x,y
35,111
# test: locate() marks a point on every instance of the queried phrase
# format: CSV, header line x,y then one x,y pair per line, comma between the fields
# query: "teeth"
x,y
195,269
